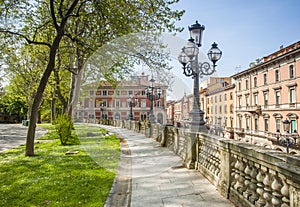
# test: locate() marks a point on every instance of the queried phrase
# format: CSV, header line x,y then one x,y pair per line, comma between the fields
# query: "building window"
x,y
255,81
117,93
231,108
225,109
247,123
211,100
117,103
220,109
255,99
277,97
266,125
278,124
225,97
256,124
220,98
292,71
266,98
240,101
143,117
158,103
240,122
143,92
130,93
292,95
143,103
216,100
231,96
265,79
293,126
91,93
247,100
104,93
247,84
240,86
104,103
277,76
91,104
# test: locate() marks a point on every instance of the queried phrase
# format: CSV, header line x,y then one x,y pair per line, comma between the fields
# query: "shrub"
x,y
63,127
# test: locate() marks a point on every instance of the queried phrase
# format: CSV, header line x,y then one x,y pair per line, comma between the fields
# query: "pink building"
x,y
266,95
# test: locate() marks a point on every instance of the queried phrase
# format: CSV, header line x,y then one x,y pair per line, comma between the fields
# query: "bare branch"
x,y
53,15
26,38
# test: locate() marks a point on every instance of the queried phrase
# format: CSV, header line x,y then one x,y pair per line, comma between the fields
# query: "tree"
x,y
49,23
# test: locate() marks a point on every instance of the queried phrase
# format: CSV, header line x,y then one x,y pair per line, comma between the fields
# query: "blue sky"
x,y
244,29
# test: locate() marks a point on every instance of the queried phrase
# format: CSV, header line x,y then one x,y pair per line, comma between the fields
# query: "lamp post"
x,y
132,103
153,93
287,139
191,67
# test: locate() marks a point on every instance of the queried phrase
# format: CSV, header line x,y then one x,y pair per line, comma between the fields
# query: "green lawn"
x,y
52,178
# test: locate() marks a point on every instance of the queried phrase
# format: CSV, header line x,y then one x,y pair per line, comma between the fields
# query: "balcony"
x,y
250,109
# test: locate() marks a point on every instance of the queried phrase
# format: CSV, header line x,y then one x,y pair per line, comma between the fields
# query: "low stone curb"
x,y
120,193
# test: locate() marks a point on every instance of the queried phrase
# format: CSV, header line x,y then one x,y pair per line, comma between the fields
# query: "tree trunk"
x,y
75,86
53,109
62,99
39,95
60,29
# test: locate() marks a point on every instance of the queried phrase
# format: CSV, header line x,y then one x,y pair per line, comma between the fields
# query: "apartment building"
x,y
220,106
104,101
266,95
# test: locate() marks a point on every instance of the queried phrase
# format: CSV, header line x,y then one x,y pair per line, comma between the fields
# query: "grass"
x,y
52,178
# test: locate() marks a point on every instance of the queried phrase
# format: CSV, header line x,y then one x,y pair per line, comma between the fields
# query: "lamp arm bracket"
x,y
188,71
206,69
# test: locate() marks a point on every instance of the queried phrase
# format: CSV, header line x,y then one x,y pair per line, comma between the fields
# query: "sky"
x,y
245,30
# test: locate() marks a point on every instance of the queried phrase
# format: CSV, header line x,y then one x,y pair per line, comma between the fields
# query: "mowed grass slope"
x,y
52,178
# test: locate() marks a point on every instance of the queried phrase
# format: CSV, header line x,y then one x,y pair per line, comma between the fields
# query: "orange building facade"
x,y
267,94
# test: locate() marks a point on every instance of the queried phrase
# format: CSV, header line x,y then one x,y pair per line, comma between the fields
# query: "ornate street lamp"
x,y
287,139
132,102
191,67
153,93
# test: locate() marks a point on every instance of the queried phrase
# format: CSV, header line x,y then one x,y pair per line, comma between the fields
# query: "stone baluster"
x,y
217,164
267,189
236,174
239,176
242,167
276,194
247,182
233,170
260,188
286,193
253,184
213,159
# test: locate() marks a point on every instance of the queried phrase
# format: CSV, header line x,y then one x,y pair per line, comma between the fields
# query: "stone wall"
x,y
246,174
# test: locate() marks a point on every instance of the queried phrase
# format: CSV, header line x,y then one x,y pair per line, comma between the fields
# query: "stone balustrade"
x,y
247,174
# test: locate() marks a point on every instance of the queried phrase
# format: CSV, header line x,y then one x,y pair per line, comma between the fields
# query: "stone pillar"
x,y
190,157
225,169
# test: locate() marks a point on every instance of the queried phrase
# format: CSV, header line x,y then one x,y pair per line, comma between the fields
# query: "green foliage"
x,y
63,127
54,179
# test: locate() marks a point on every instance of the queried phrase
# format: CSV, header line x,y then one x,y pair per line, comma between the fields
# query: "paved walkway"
x,y
150,175
12,135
